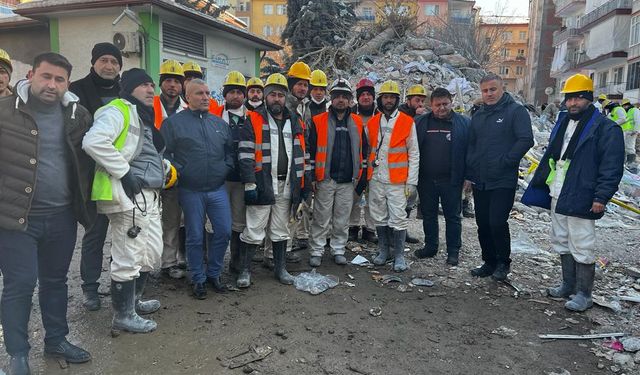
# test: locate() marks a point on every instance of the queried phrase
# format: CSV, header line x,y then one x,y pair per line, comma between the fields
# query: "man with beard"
x,y
365,108
578,174
254,94
338,149
128,150
394,162
317,95
98,88
171,86
273,165
5,73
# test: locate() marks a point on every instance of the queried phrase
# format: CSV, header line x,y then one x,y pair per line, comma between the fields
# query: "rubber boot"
x,y
353,233
383,246
568,286
581,301
369,235
399,237
144,307
246,255
234,248
19,365
124,314
279,263
91,300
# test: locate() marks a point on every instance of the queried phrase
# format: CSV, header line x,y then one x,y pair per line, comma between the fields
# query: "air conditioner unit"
x,y
127,41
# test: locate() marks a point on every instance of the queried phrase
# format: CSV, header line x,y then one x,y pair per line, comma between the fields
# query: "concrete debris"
x,y
504,331
631,344
623,360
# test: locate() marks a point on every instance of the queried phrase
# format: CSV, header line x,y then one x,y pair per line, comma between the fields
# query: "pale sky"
x,y
519,8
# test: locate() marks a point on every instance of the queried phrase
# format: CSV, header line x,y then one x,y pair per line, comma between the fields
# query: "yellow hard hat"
x,y
255,82
606,102
192,66
625,102
577,83
235,78
5,58
318,78
171,67
602,96
389,87
417,90
277,79
300,70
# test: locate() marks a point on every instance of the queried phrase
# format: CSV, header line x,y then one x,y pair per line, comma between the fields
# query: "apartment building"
x,y
511,59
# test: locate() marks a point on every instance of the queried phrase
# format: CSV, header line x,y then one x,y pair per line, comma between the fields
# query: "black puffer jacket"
x,y
19,159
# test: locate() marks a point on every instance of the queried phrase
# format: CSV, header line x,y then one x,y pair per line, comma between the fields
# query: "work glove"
x,y
131,184
250,194
410,190
171,175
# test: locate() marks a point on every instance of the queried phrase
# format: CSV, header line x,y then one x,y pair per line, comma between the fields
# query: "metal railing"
x,y
561,36
561,4
603,10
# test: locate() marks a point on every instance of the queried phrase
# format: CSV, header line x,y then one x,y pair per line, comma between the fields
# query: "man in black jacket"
x,y
500,135
98,88
45,193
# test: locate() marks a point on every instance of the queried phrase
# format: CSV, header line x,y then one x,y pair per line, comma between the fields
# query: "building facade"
x,y
511,58
268,18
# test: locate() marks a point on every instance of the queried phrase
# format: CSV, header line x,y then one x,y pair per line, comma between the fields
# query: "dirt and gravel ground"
x,y
459,326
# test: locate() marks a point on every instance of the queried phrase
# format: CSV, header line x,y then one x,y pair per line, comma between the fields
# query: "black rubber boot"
x,y
399,237
234,248
353,233
67,351
125,317
19,365
568,286
144,307
582,301
501,272
485,270
91,300
384,242
279,263
453,257
246,255
369,235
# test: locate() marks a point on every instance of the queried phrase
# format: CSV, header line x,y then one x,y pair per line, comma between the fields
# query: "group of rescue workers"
x,y
276,161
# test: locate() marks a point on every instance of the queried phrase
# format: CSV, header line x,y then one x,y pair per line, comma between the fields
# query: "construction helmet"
x,y
255,82
171,67
318,78
577,83
602,96
341,85
300,70
625,102
606,102
417,90
389,87
6,59
192,69
235,78
277,79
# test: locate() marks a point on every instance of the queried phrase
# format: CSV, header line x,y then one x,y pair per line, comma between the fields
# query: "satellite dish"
x,y
549,90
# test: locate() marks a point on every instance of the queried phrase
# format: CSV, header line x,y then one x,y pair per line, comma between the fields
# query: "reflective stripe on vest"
x,y
259,125
398,155
321,122
630,124
101,188
158,112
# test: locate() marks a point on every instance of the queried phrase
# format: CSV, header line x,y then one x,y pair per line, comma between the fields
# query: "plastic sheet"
x,y
314,282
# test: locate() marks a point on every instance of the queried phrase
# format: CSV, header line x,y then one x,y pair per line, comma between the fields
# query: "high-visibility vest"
x,y
215,108
160,114
630,124
398,155
321,123
613,115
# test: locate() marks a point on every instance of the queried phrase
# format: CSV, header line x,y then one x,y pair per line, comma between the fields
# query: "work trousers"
x,y
130,256
197,207
450,197
235,190
357,211
269,221
492,209
630,143
331,209
573,235
387,205
40,254
301,227
171,218
92,255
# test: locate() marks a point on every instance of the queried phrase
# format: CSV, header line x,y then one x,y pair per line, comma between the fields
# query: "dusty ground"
x,y
445,329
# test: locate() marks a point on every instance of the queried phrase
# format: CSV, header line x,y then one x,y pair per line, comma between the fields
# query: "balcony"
x,y
566,8
634,52
568,34
611,6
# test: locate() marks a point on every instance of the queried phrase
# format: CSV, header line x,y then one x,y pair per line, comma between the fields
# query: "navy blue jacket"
x,y
500,135
593,175
459,143
200,146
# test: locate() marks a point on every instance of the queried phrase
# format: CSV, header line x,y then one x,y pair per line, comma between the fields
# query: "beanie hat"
x,y
579,94
368,89
133,78
291,81
268,89
165,76
227,88
102,49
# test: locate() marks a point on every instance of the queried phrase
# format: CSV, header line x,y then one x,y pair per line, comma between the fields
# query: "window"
x,y
244,7
504,52
245,20
633,76
222,2
268,9
617,75
267,30
183,40
281,9
635,31
602,79
519,70
432,10
507,35
504,70
520,51
367,12
523,35
279,30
